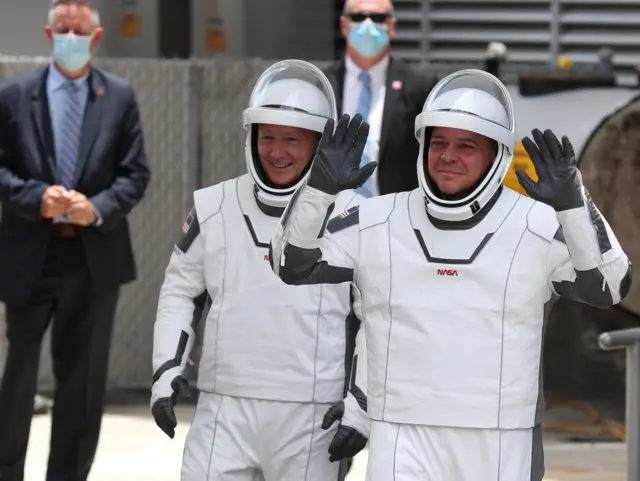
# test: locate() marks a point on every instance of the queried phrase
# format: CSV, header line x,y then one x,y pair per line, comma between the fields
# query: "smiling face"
x,y
285,152
457,159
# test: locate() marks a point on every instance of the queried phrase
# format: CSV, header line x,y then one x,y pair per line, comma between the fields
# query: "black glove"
x,y
162,409
559,182
348,441
336,166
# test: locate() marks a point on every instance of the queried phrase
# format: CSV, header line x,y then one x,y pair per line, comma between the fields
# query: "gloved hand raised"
x,y
559,182
353,432
336,166
162,409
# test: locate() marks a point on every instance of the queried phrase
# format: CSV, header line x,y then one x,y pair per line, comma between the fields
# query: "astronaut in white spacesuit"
x,y
455,279
275,358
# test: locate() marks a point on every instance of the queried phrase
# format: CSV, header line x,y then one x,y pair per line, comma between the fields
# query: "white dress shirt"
x,y
352,88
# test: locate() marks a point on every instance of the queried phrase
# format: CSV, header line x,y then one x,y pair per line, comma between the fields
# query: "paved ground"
x,y
133,449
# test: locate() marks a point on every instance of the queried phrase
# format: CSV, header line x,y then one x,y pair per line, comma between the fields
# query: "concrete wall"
x,y
252,27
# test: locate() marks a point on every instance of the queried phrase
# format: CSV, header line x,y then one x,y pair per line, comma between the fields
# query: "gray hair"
x,y
347,8
94,14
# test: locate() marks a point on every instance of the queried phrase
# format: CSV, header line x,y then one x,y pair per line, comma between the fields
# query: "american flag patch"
x,y
187,223
344,214
344,219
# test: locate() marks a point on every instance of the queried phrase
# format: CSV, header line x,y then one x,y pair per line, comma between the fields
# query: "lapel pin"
x,y
100,92
396,85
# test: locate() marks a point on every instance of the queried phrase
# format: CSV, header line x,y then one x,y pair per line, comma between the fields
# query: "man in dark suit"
x,y
72,166
384,90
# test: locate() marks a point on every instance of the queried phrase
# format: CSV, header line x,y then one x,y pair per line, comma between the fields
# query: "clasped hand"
x,y
58,201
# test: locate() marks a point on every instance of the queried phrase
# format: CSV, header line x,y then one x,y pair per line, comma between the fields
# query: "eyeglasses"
x,y
375,17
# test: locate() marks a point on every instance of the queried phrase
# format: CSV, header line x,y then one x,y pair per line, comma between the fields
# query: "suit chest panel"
x,y
247,270
30,159
252,291
464,277
247,235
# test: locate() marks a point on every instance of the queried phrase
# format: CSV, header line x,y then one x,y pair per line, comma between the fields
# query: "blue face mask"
x,y
71,52
368,39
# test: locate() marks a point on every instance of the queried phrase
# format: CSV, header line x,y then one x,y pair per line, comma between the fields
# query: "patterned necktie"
x,y
364,105
70,136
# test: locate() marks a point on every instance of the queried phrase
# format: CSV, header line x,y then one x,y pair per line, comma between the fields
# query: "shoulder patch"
x,y
190,230
542,221
344,219
188,221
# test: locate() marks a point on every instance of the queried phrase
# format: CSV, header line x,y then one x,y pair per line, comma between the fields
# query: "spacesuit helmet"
x,y
473,101
290,93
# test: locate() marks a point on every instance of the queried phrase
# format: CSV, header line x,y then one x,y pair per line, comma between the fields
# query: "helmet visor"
x,y
293,93
471,100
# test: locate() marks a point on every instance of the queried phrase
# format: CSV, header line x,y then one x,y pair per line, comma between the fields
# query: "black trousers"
x,y
80,340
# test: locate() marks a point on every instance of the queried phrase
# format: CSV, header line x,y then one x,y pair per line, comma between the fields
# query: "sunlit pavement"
x,y
132,448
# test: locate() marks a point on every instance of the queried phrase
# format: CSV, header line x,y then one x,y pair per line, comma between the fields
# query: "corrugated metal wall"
x,y
535,31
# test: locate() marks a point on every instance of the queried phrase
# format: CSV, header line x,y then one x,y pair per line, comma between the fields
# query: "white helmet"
x,y
293,93
476,101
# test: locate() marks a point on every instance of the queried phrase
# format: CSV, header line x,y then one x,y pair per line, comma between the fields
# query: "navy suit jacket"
x,y
112,172
399,148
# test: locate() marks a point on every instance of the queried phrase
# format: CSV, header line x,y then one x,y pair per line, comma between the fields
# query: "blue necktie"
x,y
70,136
364,105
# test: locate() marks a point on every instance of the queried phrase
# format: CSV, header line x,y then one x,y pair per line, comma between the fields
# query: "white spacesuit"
x,y
455,289
275,357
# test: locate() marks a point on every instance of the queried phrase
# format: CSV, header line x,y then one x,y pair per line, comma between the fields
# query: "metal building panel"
x,y
585,26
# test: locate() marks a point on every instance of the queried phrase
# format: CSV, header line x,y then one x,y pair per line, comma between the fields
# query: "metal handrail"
x,y
629,339
619,339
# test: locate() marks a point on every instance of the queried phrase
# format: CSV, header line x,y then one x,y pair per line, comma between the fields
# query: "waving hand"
x,y
336,166
559,182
